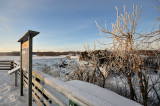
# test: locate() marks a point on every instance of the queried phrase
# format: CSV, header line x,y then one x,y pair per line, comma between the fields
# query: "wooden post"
x,y
16,73
16,78
21,71
30,72
26,61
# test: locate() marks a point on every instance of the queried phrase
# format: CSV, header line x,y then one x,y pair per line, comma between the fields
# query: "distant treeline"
x,y
149,52
83,54
9,53
57,53
100,53
41,53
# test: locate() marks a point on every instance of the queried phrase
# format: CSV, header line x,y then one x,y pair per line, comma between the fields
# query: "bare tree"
x,y
126,49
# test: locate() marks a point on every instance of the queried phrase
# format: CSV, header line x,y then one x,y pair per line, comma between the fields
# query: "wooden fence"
x,y
6,64
42,90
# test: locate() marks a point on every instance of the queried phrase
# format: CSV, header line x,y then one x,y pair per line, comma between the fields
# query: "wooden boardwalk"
x,y
9,94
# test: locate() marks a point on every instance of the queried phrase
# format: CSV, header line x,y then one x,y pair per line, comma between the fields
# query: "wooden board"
x,y
13,70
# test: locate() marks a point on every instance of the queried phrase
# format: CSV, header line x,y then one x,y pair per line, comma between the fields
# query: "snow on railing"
x,y
15,68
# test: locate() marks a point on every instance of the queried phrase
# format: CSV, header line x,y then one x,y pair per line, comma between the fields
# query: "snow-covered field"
x,y
54,66
9,95
44,61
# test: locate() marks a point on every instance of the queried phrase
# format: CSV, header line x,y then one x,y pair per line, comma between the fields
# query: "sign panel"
x,y
25,44
25,56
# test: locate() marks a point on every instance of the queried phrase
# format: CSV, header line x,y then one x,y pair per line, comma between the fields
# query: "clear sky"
x,y
64,24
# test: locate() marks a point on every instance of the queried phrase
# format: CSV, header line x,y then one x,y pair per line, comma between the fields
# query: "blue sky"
x,y
65,24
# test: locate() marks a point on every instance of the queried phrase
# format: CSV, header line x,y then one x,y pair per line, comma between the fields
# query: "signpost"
x,y
26,61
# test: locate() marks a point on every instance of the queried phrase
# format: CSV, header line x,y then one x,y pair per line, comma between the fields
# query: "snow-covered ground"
x,y
9,95
40,62
49,64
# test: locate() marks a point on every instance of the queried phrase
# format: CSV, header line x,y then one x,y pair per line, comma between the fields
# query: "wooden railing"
x,y
6,64
45,89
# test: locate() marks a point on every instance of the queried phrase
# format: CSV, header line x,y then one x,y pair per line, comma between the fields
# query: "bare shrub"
x,y
56,73
89,74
